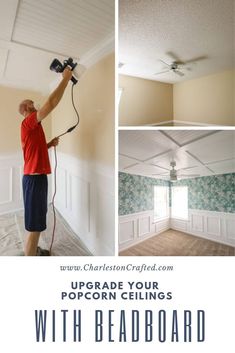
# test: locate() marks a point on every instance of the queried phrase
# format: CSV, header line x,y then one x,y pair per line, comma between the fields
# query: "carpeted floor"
x,y
175,243
12,236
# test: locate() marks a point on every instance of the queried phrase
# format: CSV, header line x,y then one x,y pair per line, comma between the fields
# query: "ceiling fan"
x,y
174,67
174,175
177,65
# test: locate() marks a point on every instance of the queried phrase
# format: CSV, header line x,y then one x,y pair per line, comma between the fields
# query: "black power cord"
x,y
55,168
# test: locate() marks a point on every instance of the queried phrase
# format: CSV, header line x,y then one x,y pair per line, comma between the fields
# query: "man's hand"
x,y
53,143
67,73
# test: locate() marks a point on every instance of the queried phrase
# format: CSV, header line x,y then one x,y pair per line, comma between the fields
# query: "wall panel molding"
x,y
178,224
144,225
136,227
215,226
127,231
230,228
6,187
11,169
197,222
85,198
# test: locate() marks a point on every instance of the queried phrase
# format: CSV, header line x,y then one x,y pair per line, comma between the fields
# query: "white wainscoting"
x,y
11,171
136,227
85,198
216,226
11,183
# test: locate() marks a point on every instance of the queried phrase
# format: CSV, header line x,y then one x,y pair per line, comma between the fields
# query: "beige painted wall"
x,y
10,119
208,99
144,102
94,98
234,95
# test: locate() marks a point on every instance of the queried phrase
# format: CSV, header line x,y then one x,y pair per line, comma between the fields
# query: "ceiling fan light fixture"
x,y
173,172
174,67
174,180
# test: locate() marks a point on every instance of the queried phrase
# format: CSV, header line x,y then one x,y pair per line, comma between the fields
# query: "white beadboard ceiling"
x,y
33,33
150,30
196,152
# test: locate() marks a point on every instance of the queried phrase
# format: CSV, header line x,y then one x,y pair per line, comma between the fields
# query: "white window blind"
x,y
179,202
161,201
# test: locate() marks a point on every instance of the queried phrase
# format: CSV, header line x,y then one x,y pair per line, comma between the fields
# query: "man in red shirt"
x,y
37,164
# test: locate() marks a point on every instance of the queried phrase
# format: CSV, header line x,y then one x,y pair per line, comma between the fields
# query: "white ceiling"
x,y
200,152
33,33
151,30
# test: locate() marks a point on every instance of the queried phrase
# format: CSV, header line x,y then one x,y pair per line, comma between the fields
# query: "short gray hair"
x,y
22,106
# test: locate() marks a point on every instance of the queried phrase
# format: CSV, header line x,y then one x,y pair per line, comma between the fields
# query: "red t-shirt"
x,y
36,159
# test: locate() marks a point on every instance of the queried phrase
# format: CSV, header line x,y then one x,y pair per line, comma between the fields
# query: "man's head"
x,y
26,107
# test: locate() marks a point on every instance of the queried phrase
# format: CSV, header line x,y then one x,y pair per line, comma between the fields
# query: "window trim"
x,y
120,90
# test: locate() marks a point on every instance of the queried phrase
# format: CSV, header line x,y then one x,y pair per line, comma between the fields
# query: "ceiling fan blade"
x,y
175,58
162,72
164,63
188,175
179,73
196,59
161,176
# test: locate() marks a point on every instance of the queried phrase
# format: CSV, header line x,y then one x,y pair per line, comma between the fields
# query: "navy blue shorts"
x,y
35,188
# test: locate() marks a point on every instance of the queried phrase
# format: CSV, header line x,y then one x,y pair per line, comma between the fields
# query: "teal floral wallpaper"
x,y
211,193
136,193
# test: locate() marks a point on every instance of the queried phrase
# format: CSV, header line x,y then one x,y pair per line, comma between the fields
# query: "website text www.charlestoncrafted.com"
x,y
89,267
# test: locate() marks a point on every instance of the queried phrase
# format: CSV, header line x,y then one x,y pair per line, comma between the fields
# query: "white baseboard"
x,y
162,123
183,123
12,211
193,123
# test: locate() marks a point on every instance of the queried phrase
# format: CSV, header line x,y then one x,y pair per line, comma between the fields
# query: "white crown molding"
x,y
103,48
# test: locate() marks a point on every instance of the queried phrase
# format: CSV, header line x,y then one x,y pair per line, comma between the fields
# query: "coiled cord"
x,y
55,168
